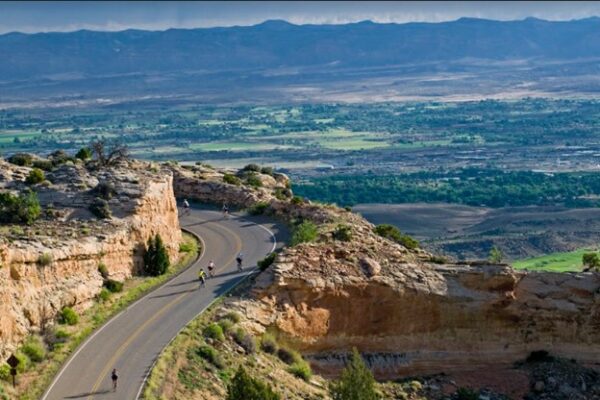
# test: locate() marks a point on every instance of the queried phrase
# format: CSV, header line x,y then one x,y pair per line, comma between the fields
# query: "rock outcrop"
x,y
414,316
54,263
407,311
207,184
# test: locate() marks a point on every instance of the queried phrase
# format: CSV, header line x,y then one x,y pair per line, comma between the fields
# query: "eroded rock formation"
x,y
54,263
409,315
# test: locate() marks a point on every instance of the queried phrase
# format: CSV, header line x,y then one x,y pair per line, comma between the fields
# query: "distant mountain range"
x,y
279,45
274,44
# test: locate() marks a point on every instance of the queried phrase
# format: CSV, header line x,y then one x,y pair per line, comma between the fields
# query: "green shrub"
x,y
232,179
268,344
214,331
356,382
186,247
113,286
61,334
36,175
244,387
3,395
5,372
254,181
104,190
24,208
305,232
100,208
211,355
245,340
466,394
343,233
301,369
44,165
104,294
68,316
288,356
297,200
226,325
23,362
391,232
495,255
259,208
45,259
252,168
59,157
85,153
233,317
103,270
282,194
438,259
415,386
267,261
22,159
267,170
591,261
156,258
34,349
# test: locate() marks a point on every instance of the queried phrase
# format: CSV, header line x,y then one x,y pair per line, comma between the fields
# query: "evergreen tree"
x,y
156,258
590,261
356,382
495,255
244,387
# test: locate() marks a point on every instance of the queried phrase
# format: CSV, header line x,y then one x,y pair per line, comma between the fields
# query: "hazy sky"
x,y
31,16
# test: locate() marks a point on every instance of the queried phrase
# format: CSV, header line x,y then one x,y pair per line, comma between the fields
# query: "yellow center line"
x,y
138,331
128,342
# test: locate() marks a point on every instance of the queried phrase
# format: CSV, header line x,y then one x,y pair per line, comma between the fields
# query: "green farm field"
x,y
555,262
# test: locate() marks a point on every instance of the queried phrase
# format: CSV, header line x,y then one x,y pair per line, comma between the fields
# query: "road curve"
x,y
132,340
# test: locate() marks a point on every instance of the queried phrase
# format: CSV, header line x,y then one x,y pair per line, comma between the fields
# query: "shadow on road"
x,y
173,293
203,222
183,283
79,396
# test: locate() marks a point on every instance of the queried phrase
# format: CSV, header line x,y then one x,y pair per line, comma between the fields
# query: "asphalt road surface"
x,y
132,340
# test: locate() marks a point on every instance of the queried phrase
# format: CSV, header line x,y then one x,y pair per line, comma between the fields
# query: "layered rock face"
x,y
207,184
408,312
409,315
54,263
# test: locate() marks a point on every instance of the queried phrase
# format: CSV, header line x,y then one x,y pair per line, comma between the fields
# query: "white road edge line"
x,y
137,397
86,341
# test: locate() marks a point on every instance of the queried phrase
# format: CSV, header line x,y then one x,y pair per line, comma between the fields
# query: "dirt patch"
x,y
508,381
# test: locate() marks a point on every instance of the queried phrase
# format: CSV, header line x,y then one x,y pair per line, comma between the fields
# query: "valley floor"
x,y
468,232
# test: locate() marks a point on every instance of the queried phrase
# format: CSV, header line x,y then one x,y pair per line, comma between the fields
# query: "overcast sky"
x,y
25,16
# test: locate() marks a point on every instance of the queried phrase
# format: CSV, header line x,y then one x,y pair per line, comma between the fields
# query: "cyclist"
x,y
225,210
114,378
202,277
211,268
186,207
239,260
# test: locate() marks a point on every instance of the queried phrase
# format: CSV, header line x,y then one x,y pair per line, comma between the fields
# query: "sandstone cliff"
x,y
411,316
54,263
406,312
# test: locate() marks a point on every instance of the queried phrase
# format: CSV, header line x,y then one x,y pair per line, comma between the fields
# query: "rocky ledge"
x,y
54,262
406,310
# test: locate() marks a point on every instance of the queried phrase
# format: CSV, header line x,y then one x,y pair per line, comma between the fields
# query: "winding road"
x,y
132,340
